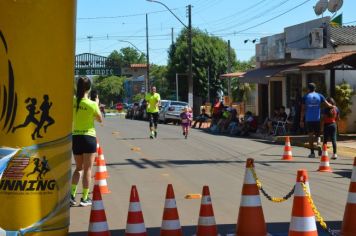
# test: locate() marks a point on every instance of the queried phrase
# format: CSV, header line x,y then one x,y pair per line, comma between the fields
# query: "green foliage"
x,y
158,75
110,89
138,97
209,55
127,56
343,98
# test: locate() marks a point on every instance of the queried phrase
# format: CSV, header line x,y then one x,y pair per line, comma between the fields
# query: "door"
x,y
276,95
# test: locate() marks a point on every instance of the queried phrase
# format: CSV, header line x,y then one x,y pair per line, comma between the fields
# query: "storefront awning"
x,y
330,60
263,75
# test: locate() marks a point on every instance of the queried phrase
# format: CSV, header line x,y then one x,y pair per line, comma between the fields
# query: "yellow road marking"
x,y
136,149
193,196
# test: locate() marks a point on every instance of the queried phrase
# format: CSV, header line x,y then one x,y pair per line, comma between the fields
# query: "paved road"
x,y
204,159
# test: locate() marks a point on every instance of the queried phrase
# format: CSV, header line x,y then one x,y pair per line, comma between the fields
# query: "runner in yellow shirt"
x,y
153,102
85,112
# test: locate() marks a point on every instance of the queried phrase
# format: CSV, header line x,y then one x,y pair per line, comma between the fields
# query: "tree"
x,y
241,91
209,55
110,89
159,76
127,56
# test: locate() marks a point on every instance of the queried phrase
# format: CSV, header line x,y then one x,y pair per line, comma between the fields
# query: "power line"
x,y
254,17
254,26
122,16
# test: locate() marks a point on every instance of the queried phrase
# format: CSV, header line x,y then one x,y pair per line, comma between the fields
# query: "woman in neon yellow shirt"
x,y
85,112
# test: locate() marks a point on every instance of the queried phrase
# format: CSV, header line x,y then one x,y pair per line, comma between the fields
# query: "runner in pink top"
x,y
186,120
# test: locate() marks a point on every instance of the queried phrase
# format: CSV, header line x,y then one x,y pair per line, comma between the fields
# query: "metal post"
x,y
228,70
208,83
190,74
177,86
90,37
147,59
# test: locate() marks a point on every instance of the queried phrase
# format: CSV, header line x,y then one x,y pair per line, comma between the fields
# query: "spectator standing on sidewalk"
x,y
330,116
153,102
85,112
310,115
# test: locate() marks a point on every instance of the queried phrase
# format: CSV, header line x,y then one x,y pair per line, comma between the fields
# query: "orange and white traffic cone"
x,y
100,177
206,222
101,171
170,223
100,153
303,219
287,155
98,225
324,161
251,220
97,151
135,225
348,227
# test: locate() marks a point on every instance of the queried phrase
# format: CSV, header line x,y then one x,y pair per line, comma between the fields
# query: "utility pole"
x,y
208,84
172,35
229,70
147,59
90,37
190,73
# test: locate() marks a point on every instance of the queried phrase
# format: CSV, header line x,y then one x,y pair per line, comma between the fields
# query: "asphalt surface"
x,y
204,159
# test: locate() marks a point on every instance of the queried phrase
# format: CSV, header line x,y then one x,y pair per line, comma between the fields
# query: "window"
x,y
294,88
319,80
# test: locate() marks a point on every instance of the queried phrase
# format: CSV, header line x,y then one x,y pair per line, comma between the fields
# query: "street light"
x,y
133,45
189,28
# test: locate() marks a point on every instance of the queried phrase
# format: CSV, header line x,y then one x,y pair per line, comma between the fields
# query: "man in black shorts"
x,y
311,113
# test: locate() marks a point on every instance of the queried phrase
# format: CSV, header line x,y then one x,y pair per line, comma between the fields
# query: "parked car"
x,y
132,111
170,111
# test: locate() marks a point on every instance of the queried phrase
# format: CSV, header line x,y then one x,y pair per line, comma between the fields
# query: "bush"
x,y
343,98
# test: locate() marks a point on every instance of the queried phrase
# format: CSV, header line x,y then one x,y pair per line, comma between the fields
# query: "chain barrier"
x,y
318,217
272,199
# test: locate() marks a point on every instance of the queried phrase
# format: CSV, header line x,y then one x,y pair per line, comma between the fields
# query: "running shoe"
x,y
334,156
311,155
183,133
186,136
72,201
86,202
155,134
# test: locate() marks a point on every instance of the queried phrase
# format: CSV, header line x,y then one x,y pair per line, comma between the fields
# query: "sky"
x,y
101,24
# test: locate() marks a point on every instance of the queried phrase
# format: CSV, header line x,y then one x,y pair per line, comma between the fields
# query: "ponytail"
x,y
83,85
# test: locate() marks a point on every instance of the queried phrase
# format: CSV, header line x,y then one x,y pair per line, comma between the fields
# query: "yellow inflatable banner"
x,y
37,41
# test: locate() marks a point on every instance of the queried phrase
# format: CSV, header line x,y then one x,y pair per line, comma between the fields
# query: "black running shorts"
x,y
83,144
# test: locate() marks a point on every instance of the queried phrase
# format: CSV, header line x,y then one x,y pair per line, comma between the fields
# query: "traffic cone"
x,y
135,225
100,153
251,220
170,223
287,155
324,161
206,222
303,219
98,225
101,171
97,151
348,227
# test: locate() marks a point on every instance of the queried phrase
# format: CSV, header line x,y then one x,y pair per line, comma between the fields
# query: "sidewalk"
x,y
346,143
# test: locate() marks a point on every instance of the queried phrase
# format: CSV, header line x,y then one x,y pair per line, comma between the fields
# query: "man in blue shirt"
x,y
310,114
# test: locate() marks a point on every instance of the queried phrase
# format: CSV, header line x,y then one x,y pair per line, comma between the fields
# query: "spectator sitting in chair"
x,y
201,118
249,124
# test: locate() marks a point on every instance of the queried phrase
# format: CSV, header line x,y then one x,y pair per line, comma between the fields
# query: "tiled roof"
x,y
138,65
344,35
232,75
330,60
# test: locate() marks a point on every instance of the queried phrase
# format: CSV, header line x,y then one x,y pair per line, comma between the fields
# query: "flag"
x,y
337,21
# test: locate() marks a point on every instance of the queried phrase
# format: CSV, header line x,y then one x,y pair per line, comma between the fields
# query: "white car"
x,y
170,111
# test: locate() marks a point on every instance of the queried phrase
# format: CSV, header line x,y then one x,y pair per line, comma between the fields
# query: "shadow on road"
x,y
276,229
